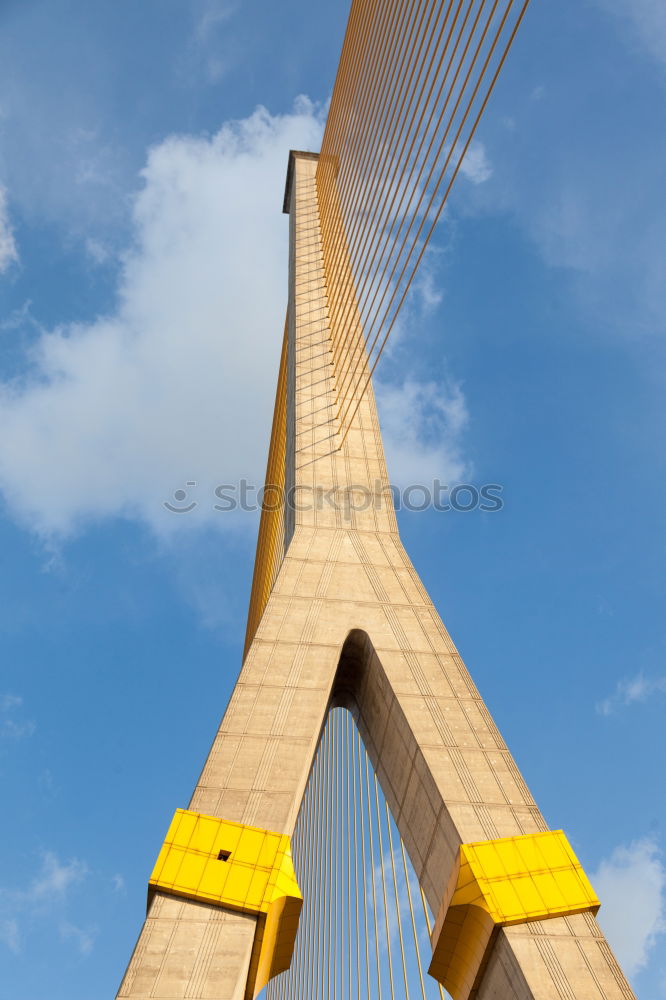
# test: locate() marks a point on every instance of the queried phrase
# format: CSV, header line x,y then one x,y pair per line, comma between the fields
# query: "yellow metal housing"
x,y
500,882
240,868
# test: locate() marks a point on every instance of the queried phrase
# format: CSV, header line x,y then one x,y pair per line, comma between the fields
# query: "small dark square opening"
x,y
224,855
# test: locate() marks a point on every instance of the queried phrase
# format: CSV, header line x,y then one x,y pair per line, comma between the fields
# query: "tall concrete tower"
x,y
340,620
338,616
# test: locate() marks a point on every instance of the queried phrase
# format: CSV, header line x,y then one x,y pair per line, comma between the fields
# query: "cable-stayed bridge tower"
x,y
360,828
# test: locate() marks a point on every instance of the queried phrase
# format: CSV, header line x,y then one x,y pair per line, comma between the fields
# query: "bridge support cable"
x,y
361,934
413,82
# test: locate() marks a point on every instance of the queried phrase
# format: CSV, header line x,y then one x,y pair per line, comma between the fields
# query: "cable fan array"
x,y
413,81
365,926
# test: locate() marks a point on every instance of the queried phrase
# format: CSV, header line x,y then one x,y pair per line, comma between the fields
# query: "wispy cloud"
x,y
8,249
45,899
12,726
83,939
476,166
632,691
565,196
646,20
96,251
212,48
631,885
9,935
210,14
118,883
55,878
423,424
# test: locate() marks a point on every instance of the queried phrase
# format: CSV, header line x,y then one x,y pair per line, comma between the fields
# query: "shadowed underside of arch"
x,y
339,617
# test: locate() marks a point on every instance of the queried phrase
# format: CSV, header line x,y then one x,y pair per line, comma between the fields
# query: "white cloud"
x,y
46,901
83,939
10,936
8,248
631,885
210,14
647,21
214,49
58,172
118,883
426,292
476,166
56,878
10,701
423,423
177,384
11,727
96,250
631,691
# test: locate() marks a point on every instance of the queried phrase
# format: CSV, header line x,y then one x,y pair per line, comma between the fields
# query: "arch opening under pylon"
x,y
365,925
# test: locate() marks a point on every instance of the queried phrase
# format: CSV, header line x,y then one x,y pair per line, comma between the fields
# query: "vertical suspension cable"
x,y
364,866
417,946
381,863
344,812
322,866
336,854
372,876
348,841
329,894
429,926
397,902
353,812
310,886
298,846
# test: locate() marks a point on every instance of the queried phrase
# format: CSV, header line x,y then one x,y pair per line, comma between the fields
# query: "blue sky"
x,y
143,149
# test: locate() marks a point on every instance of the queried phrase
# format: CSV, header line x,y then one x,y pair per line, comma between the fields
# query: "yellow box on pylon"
x,y
237,867
499,882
